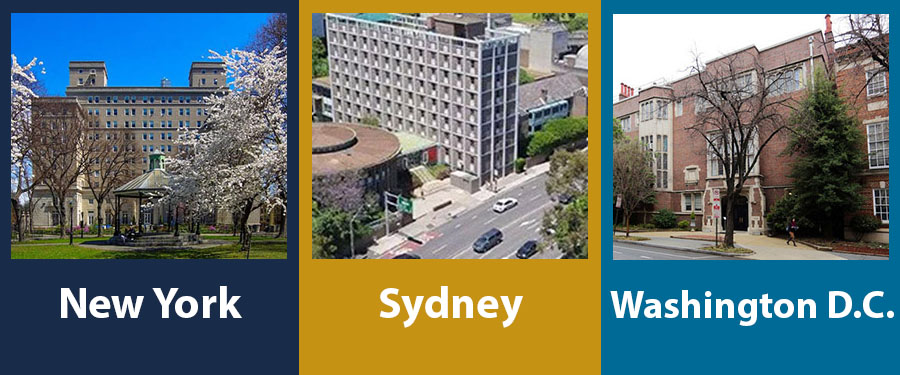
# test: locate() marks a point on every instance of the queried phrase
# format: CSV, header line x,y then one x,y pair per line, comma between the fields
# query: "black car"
x,y
407,256
565,198
488,240
528,249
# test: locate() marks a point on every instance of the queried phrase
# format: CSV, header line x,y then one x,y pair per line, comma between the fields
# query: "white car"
x,y
504,204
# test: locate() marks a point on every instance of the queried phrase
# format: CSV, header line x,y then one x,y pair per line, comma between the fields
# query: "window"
x,y
215,81
878,139
663,109
626,124
90,99
715,165
692,202
662,161
679,108
81,81
785,81
203,81
877,85
646,110
880,204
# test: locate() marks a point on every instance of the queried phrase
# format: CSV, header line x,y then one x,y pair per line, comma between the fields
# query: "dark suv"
x,y
488,240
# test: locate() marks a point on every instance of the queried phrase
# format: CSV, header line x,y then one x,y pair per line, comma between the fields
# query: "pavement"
x,y
638,250
449,232
764,247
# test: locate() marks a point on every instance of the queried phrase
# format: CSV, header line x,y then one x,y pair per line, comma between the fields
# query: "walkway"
x,y
765,248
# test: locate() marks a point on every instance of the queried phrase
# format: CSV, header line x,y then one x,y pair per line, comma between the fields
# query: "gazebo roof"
x,y
152,183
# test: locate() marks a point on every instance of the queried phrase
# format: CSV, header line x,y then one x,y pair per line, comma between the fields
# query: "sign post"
x,y
616,216
717,212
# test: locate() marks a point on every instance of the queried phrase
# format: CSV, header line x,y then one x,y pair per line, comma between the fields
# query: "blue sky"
x,y
139,49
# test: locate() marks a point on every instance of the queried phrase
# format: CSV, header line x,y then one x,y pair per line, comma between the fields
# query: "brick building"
x,y
686,174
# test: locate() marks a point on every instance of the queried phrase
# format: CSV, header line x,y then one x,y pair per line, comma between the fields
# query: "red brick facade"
x,y
688,165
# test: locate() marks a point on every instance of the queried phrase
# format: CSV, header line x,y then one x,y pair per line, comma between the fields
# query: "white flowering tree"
x,y
238,160
22,179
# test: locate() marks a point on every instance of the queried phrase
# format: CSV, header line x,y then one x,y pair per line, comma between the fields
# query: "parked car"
x,y
528,249
504,204
407,256
488,240
564,198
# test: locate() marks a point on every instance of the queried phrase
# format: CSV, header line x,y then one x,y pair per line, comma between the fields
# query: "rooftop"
x,y
338,147
531,95
459,18
410,142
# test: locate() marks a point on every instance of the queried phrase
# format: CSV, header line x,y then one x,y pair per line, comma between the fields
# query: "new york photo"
x,y
450,135
133,142
751,137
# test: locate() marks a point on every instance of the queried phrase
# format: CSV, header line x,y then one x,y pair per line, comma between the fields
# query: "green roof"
x,y
375,17
411,143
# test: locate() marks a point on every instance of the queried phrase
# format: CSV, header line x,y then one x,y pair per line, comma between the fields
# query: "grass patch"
x,y
62,240
261,248
630,238
729,250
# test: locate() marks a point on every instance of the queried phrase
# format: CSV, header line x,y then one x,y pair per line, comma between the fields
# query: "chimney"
x,y
623,91
829,45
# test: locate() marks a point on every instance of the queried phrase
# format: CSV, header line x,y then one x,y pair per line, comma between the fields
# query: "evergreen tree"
x,y
827,147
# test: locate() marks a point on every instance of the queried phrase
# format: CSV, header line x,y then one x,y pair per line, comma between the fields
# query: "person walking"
x,y
792,231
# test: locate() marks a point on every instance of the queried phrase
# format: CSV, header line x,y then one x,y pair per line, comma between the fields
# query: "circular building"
x,y
345,147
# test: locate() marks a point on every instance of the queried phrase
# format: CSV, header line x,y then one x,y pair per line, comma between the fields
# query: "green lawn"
x,y
527,19
64,240
261,248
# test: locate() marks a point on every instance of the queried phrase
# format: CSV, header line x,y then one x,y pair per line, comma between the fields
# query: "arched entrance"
x,y
741,213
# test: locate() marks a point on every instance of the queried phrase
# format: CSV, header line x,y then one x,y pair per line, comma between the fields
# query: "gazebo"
x,y
146,186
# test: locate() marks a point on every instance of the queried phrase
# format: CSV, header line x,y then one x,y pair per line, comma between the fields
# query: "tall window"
x,y
877,84
662,109
878,139
880,204
785,81
647,110
662,161
626,124
679,108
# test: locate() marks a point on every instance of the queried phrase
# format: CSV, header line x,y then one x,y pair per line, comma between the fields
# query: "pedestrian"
x,y
792,231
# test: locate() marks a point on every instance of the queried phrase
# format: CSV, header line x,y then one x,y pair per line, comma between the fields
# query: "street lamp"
x,y
352,219
71,218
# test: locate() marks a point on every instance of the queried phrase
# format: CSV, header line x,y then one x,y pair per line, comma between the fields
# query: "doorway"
x,y
741,213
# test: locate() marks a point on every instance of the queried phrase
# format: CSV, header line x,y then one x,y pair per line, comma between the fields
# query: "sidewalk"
x,y
438,193
765,248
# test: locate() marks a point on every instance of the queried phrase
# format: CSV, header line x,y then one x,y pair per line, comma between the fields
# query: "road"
x,y
636,251
454,239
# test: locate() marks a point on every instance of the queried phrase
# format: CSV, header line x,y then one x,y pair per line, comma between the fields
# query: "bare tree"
x,y
111,159
274,32
58,143
24,88
867,38
739,109
632,176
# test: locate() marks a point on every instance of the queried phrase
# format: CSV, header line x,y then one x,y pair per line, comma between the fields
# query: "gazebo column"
x,y
118,208
140,208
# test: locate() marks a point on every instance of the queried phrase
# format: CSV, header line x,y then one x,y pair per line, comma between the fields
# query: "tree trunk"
x,y
99,216
245,230
729,222
17,211
627,224
283,222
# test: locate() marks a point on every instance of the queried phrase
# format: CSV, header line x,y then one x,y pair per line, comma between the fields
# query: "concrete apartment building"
x,y
152,116
685,171
447,78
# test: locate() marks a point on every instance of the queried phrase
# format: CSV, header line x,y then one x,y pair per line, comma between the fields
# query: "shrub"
x,y
684,224
664,219
520,165
556,133
862,224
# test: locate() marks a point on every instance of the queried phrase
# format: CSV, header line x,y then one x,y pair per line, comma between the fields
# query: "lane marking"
x,y
439,249
474,217
664,254
645,257
458,225
460,253
536,197
524,223
491,220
